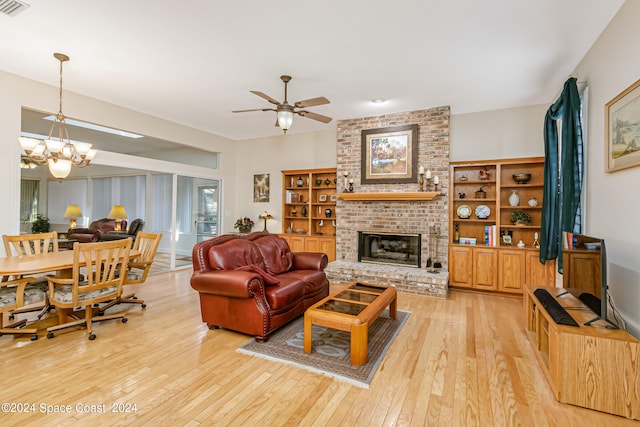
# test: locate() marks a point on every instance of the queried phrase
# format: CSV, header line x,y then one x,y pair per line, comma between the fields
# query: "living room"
x,y
504,133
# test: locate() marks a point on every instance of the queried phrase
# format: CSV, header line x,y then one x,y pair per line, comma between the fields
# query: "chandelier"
x,y
57,151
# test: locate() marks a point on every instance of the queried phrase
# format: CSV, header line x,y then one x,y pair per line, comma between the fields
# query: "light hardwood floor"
x,y
464,361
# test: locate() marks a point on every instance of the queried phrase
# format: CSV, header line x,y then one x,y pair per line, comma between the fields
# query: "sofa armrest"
x,y
309,261
237,284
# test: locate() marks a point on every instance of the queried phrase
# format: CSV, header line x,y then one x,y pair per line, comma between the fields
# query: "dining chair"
x,y
138,267
32,245
101,262
14,294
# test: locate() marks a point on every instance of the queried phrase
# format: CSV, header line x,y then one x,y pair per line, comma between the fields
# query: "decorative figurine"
x,y
484,174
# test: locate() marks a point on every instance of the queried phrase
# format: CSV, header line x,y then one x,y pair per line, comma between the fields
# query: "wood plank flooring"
x,y
464,361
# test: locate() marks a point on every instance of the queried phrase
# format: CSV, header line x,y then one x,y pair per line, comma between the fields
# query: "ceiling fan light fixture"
x,y
285,119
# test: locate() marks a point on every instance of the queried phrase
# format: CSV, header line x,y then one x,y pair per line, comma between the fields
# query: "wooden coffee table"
x,y
352,308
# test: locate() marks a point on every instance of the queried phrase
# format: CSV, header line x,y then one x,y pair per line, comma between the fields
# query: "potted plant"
x,y
243,225
40,225
520,218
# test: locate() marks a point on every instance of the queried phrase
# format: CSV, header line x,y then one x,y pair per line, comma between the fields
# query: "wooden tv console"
x,y
589,366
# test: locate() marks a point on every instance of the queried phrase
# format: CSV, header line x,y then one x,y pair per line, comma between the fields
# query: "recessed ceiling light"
x,y
378,100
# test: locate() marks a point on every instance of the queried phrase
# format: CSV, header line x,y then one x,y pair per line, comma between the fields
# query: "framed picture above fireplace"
x,y
390,155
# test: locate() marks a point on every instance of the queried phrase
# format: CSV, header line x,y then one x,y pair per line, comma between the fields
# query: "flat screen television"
x,y
584,263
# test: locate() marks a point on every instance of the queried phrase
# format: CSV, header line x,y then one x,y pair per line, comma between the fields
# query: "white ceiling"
x,y
193,62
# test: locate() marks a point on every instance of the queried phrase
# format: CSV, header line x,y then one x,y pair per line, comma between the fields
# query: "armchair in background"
x,y
136,225
94,231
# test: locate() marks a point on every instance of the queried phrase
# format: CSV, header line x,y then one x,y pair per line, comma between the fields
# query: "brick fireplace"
x,y
428,219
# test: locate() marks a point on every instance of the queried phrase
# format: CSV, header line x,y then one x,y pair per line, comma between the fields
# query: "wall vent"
x,y
12,7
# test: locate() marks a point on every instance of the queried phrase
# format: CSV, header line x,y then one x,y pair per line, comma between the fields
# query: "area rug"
x,y
331,348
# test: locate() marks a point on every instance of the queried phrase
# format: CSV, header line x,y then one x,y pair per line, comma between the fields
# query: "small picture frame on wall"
x,y
322,198
261,188
334,197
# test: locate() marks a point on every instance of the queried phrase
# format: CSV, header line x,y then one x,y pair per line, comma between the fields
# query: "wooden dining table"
x,y
61,262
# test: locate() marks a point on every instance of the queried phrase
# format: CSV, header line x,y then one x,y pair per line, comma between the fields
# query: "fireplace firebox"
x,y
387,248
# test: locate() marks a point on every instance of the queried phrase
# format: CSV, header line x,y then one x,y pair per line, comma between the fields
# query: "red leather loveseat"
x,y
254,284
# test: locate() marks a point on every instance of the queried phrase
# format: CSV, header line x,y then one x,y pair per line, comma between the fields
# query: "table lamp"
x,y
118,213
265,215
73,212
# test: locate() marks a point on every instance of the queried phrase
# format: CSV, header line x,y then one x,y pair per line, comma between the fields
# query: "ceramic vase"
x,y
514,199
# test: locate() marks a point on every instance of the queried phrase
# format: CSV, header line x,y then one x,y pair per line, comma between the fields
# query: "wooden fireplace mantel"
x,y
394,196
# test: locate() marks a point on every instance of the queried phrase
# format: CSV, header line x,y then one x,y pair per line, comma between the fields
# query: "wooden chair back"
x,y
30,244
147,244
101,262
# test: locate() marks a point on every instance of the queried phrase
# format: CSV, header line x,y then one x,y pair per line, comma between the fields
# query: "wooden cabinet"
x,y
309,210
482,200
503,269
582,266
461,266
512,270
485,269
537,273
589,366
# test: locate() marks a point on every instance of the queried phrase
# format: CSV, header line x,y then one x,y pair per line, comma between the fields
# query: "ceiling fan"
x,y
285,111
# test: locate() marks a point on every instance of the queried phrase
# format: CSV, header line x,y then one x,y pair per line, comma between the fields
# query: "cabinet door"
x,y
297,244
485,268
328,246
511,270
461,266
538,273
582,267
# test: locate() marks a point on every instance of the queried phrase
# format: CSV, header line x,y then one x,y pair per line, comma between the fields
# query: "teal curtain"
x,y
563,176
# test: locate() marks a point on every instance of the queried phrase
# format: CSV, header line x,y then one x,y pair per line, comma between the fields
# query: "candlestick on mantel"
x,y
421,170
428,175
436,180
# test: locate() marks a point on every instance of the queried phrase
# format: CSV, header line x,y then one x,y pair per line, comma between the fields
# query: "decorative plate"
x,y
483,211
464,211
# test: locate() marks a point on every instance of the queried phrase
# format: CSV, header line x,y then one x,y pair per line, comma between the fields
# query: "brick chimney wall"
x,y
395,217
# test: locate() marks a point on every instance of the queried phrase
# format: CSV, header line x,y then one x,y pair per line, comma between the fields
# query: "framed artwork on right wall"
x,y
622,127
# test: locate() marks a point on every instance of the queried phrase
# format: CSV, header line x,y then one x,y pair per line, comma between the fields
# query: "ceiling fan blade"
x,y
254,109
321,100
267,97
314,116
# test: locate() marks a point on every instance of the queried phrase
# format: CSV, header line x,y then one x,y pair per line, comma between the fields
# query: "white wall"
x,y
499,134
610,66
273,155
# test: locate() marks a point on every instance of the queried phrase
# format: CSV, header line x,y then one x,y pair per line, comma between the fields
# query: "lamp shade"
x,y
285,119
59,168
72,211
118,212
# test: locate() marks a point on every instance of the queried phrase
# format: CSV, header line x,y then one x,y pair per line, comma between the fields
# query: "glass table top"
x,y
353,300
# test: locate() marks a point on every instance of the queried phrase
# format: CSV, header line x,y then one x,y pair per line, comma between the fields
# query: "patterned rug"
x,y
331,348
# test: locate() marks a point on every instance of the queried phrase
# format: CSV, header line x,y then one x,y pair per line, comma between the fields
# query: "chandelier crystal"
x,y
57,151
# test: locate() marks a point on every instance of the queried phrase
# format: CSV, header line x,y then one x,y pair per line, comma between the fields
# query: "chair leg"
x,y
129,299
88,321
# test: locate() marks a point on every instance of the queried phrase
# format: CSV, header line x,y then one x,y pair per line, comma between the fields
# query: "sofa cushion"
x,y
313,280
276,254
266,277
289,292
233,254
